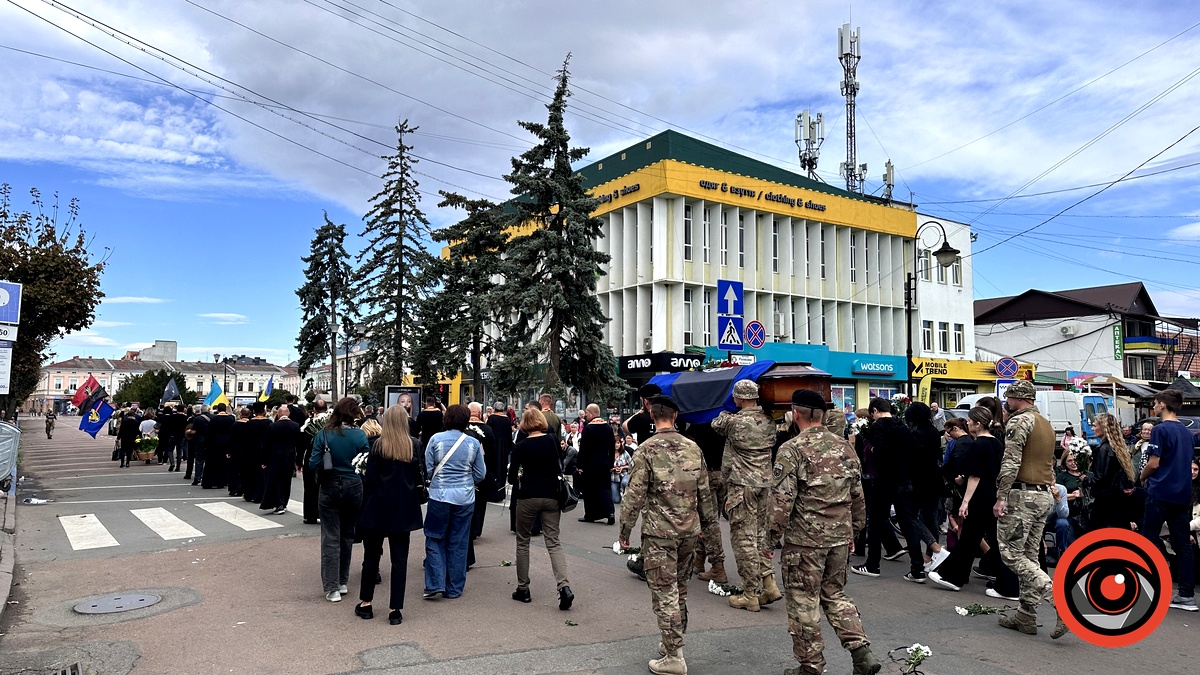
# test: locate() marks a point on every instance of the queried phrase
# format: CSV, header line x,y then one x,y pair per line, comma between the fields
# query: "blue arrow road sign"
x,y
729,298
729,328
10,302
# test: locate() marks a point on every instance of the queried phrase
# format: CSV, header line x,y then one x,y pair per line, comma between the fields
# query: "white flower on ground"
x,y
962,611
617,547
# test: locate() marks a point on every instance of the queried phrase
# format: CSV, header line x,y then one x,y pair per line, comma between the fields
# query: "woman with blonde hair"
x,y
1112,476
391,509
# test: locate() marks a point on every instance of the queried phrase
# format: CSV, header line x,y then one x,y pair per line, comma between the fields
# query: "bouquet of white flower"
x,y
913,657
316,423
860,424
360,463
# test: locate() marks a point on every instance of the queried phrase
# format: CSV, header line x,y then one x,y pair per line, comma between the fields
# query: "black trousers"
x,y
880,535
979,526
372,552
311,492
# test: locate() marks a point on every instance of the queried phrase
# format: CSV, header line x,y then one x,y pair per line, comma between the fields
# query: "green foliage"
x,y
556,316
147,389
277,397
61,284
456,317
325,298
395,265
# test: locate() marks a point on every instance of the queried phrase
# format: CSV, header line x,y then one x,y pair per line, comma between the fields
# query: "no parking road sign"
x,y
756,334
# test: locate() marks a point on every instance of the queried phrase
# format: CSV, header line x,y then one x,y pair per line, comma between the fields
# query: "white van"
x,y
1061,408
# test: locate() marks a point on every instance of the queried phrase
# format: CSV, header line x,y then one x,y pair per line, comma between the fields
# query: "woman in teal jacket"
x,y
341,493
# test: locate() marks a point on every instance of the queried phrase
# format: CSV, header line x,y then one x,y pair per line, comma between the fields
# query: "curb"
x,y
8,549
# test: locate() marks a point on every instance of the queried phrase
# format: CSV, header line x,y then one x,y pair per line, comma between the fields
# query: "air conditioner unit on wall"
x,y
1069,329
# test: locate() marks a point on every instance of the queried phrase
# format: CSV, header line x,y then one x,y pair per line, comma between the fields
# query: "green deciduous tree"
x,y
326,300
456,317
61,284
394,265
551,271
147,389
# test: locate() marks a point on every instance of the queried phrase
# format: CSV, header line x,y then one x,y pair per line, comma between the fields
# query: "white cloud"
x,y
133,300
1190,231
135,346
225,319
109,324
86,338
1184,304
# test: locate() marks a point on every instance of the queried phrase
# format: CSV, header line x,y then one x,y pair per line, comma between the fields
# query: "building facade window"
x,y
943,336
704,234
774,246
927,335
941,274
72,383
249,386
959,344
707,317
842,397
923,258
884,390
853,258
822,252
724,238
58,384
741,240
687,232
807,256
687,316
240,386
956,271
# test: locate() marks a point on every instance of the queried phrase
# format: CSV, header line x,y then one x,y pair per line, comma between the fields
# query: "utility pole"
x,y
810,135
849,54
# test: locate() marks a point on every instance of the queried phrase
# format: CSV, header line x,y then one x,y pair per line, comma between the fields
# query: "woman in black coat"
x,y
1112,476
127,435
391,509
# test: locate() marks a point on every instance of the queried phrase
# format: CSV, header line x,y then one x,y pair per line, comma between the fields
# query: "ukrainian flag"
x,y
266,393
215,395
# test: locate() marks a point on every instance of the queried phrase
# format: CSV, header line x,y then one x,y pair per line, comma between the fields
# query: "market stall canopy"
x,y
1189,390
1137,390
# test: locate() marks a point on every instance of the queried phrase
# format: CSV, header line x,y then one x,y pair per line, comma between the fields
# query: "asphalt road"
x,y
237,601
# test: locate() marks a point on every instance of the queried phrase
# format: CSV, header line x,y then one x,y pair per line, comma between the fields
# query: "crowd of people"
x,y
969,500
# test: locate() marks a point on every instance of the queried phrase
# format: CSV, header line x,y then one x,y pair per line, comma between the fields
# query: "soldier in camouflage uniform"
x,y
1023,502
668,488
818,505
751,435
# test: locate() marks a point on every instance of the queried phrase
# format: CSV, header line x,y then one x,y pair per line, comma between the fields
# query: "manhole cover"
x,y
111,604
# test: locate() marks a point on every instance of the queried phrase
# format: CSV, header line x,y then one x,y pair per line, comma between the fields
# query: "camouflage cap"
x,y
745,389
1021,389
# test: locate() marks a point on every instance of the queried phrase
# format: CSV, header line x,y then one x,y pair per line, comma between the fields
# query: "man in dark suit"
x,y
128,434
501,427
303,447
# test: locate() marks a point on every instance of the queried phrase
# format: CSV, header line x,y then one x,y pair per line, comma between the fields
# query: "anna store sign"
x,y
763,195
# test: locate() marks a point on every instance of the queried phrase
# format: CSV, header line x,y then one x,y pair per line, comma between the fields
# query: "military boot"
x,y
671,664
1060,629
865,662
1021,621
770,592
743,601
715,573
698,566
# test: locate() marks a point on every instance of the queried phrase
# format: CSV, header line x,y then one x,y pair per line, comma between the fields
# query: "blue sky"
x,y
207,216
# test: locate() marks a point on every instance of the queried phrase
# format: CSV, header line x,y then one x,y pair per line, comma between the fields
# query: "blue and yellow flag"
x,y
95,419
215,395
266,393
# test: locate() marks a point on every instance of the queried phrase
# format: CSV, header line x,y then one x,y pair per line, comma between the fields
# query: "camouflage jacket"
x,y
751,434
668,487
818,498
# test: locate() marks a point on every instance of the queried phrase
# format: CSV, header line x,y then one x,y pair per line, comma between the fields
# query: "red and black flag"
x,y
82,393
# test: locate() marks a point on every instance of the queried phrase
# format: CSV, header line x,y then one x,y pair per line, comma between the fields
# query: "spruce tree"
x,y
325,300
394,266
551,270
456,317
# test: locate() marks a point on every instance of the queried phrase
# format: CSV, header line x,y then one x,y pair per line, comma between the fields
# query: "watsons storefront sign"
x,y
609,197
778,198
865,367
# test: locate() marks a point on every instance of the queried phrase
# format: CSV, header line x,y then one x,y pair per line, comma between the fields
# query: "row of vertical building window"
x,y
944,336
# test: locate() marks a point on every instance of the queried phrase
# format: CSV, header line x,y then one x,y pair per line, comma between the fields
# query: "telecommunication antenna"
x,y
849,53
810,134
889,180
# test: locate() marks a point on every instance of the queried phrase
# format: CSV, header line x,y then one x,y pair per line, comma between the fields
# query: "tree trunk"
x,y
553,379
476,376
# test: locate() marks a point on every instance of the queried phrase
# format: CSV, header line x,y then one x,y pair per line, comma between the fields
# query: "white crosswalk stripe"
x,y
85,531
166,524
296,507
238,517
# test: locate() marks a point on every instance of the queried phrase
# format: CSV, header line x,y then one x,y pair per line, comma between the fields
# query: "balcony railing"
x,y
1149,344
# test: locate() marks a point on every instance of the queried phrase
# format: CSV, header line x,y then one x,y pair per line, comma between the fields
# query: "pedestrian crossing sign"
x,y
730,330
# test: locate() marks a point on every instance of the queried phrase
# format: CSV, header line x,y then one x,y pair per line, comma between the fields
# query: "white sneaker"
x,y
993,593
937,579
862,570
1186,604
343,590
897,555
939,558
333,596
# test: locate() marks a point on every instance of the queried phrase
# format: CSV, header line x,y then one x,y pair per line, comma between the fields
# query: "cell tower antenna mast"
x,y
849,53
810,134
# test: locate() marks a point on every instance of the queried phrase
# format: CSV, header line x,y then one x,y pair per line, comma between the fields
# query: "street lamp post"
x,y
945,256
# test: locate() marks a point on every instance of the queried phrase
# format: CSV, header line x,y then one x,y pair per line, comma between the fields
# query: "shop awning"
x,y
1139,390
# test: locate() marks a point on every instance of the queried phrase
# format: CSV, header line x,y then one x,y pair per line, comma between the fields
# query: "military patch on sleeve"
x,y
1012,432
778,471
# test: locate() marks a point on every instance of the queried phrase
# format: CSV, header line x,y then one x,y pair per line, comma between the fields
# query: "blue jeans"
x,y
1177,517
1064,533
339,502
447,533
618,487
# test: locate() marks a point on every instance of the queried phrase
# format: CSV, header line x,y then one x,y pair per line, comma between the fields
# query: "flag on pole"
x,y
266,393
215,395
170,393
85,391
93,399
95,419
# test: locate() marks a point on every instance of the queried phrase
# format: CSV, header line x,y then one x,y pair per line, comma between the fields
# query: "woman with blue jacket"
x,y
454,460
341,491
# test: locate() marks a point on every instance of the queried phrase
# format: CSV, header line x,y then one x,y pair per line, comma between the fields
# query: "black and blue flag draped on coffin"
x,y
702,395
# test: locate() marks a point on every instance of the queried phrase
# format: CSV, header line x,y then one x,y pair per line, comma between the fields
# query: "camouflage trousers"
x,y
749,511
668,567
1019,534
814,579
711,547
